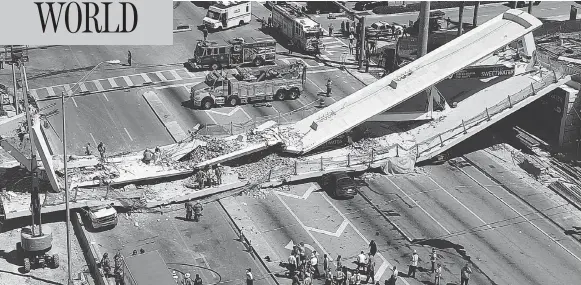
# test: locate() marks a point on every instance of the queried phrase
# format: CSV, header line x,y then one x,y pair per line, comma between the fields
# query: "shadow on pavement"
x,y
32,277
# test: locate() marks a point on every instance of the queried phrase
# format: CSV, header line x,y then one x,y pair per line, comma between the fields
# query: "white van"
x,y
228,14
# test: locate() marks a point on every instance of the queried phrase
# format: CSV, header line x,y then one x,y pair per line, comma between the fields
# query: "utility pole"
x,y
530,7
424,28
68,212
475,16
461,18
362,54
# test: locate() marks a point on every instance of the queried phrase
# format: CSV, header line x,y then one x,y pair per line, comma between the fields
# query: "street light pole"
x,y
67,206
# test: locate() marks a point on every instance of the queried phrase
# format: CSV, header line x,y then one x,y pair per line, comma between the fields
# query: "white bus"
x,y
227,14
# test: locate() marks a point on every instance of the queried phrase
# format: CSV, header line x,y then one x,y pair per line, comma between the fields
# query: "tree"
x,y
475,18
461,18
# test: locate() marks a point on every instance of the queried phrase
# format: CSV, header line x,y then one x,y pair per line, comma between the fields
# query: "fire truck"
x,y
250,85
293,24
227,14
234,52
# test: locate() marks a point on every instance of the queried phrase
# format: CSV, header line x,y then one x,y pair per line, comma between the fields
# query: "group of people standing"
x,y
118,269
206,176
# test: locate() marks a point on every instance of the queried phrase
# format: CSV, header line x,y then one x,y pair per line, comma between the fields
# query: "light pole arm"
x,y
76,86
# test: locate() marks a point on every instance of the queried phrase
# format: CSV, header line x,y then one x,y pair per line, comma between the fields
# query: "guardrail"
x,y
376,156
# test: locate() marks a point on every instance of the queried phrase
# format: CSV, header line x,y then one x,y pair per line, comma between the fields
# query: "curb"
x,y
90,251
254,252
400,230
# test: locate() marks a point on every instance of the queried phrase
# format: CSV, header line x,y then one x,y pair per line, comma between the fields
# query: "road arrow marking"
x,y
236,109
337,233
314,187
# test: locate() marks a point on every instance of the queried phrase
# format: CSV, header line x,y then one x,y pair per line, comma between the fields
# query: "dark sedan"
x,y
339,185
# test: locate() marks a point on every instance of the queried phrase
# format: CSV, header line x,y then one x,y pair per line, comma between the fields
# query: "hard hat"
x,y
187,275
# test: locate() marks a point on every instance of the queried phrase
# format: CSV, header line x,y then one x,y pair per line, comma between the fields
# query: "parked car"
x,y
101,216
339,185
380,28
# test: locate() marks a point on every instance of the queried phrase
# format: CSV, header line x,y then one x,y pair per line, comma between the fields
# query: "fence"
x,y
380,155
549,29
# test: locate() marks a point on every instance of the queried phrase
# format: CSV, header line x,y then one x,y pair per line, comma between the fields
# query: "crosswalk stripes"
x,y
98,85
67,88
175,74
83,87
51,92
33,94
160,75
145,77
127,80
112,82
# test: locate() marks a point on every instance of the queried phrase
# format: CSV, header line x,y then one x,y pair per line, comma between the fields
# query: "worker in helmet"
x,y
201,178
329,87
106,265
197,211
189,210
218,171
187,280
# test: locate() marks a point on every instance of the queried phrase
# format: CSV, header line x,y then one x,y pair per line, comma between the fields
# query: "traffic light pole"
x,y
15,89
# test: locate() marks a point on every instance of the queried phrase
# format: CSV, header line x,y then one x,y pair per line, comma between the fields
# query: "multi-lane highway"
x,y
461,212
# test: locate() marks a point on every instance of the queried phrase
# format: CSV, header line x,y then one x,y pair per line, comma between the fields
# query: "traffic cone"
x,y
321,102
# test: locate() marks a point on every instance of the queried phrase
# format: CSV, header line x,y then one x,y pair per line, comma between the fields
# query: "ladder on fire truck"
x,y
13,54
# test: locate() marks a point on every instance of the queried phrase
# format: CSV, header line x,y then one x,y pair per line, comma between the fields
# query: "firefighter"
x,y
198,280
197,211
219,171
329,87
269,21
135,252
147,156
106,265
101,148
129,57
209,176
117,259
343,27
189,210
331,30
119,277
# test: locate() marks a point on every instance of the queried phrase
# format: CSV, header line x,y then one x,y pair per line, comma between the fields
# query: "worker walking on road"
x,y
438,275
361,261
329,83
101,149
372,248
465,274
197,211
189,210
106,265
433,257
218,172
205,32
129,57
331,30
370,269
249,277
88,149
413,265
187,280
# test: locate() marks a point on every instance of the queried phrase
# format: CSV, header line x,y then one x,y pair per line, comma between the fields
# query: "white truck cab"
x,y
101,216
227,14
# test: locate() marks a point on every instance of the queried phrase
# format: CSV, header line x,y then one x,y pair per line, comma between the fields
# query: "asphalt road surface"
x,y
461,212
209,247
124,120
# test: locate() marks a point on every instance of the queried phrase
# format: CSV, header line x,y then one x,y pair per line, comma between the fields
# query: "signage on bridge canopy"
x,y
484,71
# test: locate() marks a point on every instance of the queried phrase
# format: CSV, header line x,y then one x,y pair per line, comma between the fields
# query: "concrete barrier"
x,y
91,252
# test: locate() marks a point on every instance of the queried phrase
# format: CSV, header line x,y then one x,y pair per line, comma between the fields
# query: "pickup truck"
x,y
101,216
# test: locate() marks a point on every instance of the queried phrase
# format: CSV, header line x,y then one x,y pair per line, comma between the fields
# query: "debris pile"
x,y
290,136
214,147
270,167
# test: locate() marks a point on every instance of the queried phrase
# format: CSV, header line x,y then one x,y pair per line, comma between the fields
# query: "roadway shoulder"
x,y
538,197
247,227
164,116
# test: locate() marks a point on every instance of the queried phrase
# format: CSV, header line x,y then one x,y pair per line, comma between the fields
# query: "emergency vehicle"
x,y
294,25
228,14
250,85
234,52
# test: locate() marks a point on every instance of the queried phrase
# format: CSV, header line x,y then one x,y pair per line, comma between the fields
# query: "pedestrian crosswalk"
x,y
135,80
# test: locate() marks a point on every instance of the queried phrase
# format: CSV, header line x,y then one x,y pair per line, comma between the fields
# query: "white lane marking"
x,y
323,70
50,92
176,85
286,61
75,102
67,89
302,225
105,95
208,266
33,94
521,215
456,199
314,187
145,77
320,89
418,205
83,87
112,82
175,74
128,134
337,233
160,75
245,113
385,263
210,116
98,85
128,80
92,137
